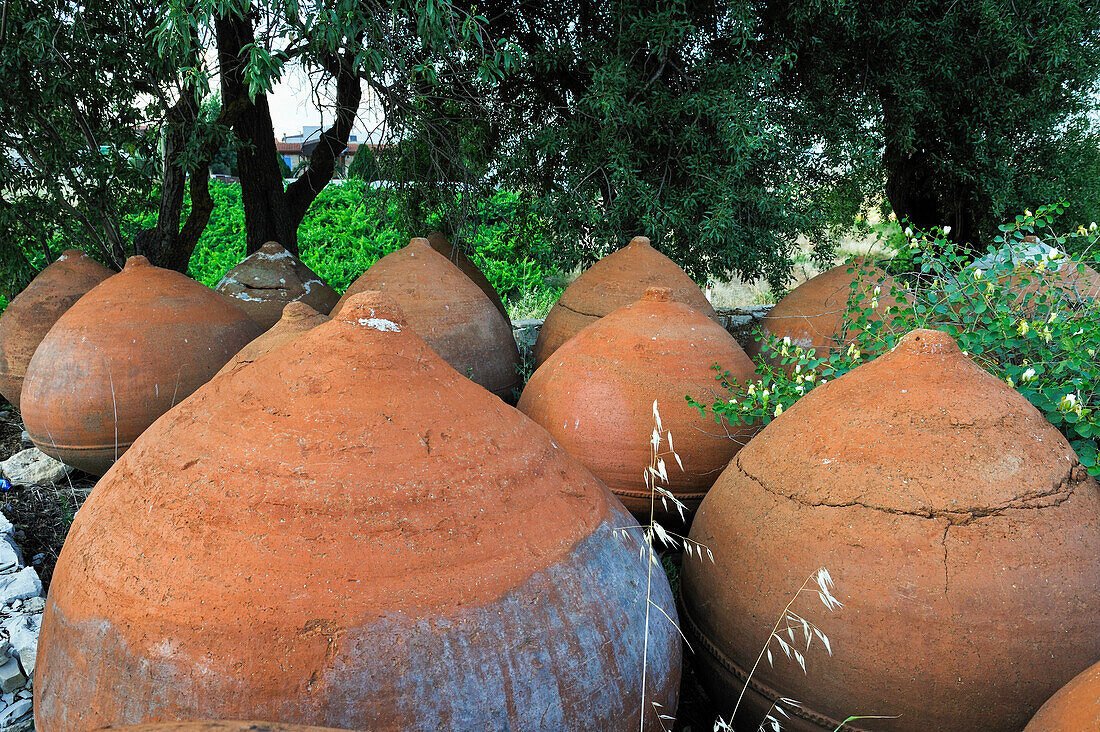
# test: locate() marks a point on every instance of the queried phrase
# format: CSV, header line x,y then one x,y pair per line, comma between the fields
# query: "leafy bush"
x,y
1013,311
350,225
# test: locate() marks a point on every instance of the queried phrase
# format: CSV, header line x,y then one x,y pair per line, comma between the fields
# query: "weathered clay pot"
x,y
595,396
442,245
349,533
448,311
220,727
1075,708
962,532
812,314
616,280
31,314
123,355
267,280
297,319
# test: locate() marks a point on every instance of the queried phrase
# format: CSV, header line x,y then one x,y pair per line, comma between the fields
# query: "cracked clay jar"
x,y
348,533
962,532
266,280
616,280
450,312
595,396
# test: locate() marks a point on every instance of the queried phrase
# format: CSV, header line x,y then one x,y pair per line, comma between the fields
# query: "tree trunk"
x,y
270,213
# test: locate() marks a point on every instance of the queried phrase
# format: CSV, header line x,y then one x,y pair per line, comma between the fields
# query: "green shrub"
x,y
1041,340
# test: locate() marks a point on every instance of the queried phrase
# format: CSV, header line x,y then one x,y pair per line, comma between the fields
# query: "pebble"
x,y
11,678
25,439
33,467
23,636
34,605
15,712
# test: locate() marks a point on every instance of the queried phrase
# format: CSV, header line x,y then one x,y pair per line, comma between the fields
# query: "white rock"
x,y
10,556
19,586
33,467
6,527
10,696
15,712
34,605
11,678
23,635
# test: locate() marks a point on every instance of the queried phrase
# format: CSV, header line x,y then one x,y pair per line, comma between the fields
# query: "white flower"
x,y
778,409
908,232
977,273
946,230
1027,375
1092,226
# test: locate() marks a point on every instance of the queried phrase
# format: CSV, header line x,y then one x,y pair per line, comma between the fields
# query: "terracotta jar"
x,y
448,311
616,280
220,727
267,280
31,314
812,314
442,245
1075,708
297,319
123,355
595,396
349,533
961,531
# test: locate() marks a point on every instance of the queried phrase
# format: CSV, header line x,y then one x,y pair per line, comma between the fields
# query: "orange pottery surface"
x,y
31,314
812,314
442,244
349,533
297,319
962,532
1075,708
595,396
618,279
268,279
123,355
449,311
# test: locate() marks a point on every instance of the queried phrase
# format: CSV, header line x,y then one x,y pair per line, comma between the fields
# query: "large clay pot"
x,y
616,280
812,314
1075,708
298,318
349,533
123,355
220,727
595,396
443,245
449,311
268,279
31,314
962,532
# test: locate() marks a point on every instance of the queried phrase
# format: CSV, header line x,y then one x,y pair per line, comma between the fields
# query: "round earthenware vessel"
x,y
219,727
812,314
356,536
124,354
443,245
962,532
1075,708
616,280
595,396
449,312
31,314
268,279
297,319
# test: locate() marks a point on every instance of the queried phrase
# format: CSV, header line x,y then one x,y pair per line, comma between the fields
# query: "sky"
x,y
292,106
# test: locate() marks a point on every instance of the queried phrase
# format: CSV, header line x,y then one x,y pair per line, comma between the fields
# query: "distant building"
x,y
296,150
